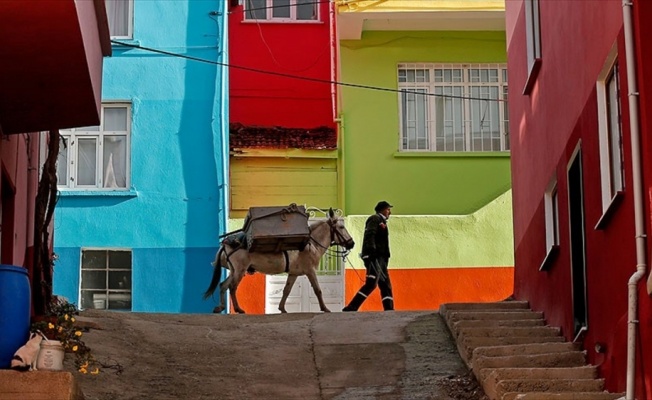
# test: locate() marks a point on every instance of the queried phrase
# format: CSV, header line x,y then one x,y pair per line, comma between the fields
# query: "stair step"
x,y
466,345
535,331
568,396
555,360
455,316
491,376
509,389
524,349
500,305
516,323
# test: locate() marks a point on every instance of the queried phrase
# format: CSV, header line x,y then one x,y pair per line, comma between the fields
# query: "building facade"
x,y
283,141
580,157
423,124
33,82
143,193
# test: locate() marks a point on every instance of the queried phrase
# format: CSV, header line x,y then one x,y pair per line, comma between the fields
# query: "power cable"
x,y
290,76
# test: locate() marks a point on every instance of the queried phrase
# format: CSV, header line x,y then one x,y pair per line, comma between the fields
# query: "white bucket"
x,y
50,357
99,304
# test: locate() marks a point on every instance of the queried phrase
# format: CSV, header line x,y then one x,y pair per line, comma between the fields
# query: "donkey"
x,y
238,261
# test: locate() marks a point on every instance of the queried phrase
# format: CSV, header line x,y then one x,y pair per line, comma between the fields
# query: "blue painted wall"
x,y
172,216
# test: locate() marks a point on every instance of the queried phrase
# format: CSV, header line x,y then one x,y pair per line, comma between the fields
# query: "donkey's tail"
x,y
217,271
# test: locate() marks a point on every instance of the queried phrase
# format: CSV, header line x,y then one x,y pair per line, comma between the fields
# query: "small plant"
x,y
59,324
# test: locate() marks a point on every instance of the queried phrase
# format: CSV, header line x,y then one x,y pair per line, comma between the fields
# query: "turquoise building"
x,y
143,196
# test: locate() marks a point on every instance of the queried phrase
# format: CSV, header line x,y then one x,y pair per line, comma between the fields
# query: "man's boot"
x,y
356,302
388,303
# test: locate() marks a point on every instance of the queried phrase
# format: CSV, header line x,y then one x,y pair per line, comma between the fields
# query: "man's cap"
x,y
382,205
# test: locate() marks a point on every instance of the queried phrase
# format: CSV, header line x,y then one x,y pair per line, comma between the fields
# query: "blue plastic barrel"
x,y
15,309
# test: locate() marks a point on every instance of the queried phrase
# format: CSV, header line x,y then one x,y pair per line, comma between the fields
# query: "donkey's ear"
x,y
331,213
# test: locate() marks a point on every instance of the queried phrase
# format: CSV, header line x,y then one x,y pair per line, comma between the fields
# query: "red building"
x,y
283,137
581,162
286,42
50,78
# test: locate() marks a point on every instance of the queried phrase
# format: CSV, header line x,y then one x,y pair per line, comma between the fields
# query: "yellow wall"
x,y
276,181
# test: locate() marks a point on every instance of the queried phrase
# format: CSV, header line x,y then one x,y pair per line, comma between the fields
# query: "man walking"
x,y
375,254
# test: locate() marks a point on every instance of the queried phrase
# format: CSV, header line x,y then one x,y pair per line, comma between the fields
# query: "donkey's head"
x,y
339,235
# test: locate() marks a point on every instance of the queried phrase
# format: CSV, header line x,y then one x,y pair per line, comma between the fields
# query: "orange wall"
x,y
427,289
414,289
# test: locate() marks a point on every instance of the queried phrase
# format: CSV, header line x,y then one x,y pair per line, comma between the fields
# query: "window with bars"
x,y
97,157
453,108
120,16
281,10
106,279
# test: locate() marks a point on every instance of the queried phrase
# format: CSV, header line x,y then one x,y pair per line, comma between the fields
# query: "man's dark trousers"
x,y
377,275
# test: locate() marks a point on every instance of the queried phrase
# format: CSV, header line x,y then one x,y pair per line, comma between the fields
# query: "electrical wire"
x,y
290,76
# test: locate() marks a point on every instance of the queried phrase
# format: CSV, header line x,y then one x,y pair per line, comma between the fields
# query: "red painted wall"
x,y
643,35
294,49
19,158
546,126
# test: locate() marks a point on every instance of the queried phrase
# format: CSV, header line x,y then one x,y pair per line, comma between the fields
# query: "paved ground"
x,y
352,356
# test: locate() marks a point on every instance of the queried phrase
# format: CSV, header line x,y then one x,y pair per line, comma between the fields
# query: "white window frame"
x,y
533,41
611,151
551,211
71,138
130,20
107,294
269,15
430,88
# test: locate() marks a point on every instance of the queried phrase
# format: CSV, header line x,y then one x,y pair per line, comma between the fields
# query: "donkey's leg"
x,y
312,277
223,287
234,292
286,292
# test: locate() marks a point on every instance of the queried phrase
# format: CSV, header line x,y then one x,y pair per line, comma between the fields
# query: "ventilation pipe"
x,y
632,93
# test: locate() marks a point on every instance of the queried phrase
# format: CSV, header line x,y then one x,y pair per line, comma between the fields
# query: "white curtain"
x,y
117,12
115,162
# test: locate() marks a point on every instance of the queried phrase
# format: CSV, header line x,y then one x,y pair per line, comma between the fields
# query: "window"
x,y
106,279
551,209
120,16
450,107
97,157
281,10
610,131
533,40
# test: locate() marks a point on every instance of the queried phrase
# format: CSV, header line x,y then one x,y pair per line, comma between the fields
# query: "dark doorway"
x,y
578,260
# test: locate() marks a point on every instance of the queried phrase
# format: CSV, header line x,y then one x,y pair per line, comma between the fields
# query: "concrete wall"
x,y
176,208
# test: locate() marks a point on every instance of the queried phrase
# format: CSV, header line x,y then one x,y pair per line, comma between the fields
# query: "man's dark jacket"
x,y
376,237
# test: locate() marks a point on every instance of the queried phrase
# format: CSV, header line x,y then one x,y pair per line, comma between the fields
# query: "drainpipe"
x,y
632,317
333,41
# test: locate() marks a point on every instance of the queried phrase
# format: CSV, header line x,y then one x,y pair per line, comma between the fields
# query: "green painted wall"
x,y
416,184
481,239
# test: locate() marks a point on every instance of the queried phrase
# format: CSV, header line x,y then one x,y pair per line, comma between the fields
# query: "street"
x,y
372,355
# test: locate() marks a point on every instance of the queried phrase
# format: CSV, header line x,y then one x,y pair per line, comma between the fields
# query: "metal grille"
x,y
330,263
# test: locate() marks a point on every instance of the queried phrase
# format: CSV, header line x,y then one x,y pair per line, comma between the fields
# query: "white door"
x,y
302,298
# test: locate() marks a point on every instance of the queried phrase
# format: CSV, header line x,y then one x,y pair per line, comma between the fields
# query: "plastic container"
x,y
50,358
15,309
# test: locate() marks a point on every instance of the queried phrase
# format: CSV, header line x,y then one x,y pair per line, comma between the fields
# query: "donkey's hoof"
x,y
218,309
326,310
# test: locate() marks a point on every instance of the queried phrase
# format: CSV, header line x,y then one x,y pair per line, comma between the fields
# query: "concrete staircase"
x,y
514,355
